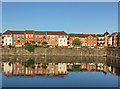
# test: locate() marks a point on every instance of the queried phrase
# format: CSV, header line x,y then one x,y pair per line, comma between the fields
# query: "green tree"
x,y
44,43
29,47
29,63
76,42
33,42
39,42
26,43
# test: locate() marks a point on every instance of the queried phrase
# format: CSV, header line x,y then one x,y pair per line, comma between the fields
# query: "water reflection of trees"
x,y
60,65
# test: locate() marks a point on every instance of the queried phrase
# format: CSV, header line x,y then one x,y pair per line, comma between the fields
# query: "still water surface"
x,y
31,73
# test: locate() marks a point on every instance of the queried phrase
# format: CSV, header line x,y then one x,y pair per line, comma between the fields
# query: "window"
x,y
48,40
44,37
14,40
36,40
51,36
52,40
60,40
91,41
22,36
18,40
64,40
30,40
22,40
26,40
36,36
56,40
14,35
91,38
64,36
60,36
44,40
48,37
17,35
41,40
41,36
56,36
29,36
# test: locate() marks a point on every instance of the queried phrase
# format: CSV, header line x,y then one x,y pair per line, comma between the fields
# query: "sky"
x,y
71,17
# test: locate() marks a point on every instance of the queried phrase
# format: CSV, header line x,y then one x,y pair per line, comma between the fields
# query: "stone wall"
x,y
100,52
55,52
113,52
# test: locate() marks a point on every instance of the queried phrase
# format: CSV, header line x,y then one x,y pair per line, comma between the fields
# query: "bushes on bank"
x,y
29,63
29,47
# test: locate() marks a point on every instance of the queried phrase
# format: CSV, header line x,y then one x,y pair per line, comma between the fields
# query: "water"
x,y
100,73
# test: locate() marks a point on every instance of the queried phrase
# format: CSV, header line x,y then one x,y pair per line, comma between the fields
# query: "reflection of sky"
x,y
73,79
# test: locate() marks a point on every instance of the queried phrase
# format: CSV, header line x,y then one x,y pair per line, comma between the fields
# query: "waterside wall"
x,y
87,52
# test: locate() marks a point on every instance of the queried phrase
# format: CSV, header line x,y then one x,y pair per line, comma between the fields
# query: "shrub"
x,y
9,46
76,67
29,63
44,43
44,66
29,47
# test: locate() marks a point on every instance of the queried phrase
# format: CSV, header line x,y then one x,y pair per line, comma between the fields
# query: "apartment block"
x,y
114,39
19,38
59,38
86,39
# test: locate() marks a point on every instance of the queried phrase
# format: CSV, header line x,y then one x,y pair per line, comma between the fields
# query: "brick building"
x,y
19,38
86,39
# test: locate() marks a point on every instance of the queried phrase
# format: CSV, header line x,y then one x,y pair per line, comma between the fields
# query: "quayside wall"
x,y
100,52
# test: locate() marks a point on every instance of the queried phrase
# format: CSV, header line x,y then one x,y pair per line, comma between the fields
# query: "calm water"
x,y
97,72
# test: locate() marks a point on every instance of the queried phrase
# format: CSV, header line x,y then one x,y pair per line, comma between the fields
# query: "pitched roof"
x,y
82,35
36,32
115,34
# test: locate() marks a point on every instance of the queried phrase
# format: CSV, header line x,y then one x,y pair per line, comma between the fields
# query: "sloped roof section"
x,y
36,32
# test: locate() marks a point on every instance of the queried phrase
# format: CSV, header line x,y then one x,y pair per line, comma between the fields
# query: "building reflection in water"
x,y
36,69
55,68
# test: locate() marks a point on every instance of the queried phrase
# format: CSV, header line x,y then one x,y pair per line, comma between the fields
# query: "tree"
x,y
44,43
33,42
39,42
76,42
29,47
